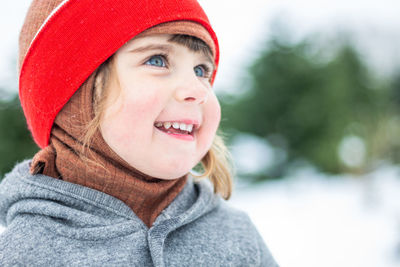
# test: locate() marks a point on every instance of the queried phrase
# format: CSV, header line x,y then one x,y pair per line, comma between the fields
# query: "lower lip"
x,y
186,137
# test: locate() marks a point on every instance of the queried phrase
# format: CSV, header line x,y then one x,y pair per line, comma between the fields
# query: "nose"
x,y
192,90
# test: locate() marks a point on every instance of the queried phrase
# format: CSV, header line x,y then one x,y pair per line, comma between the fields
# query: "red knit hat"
x,y
63,42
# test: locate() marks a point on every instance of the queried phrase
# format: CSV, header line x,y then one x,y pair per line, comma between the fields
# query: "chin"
x,y
171,172
173,175
171,167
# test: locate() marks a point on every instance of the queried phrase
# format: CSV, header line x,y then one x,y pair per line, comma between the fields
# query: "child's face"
x,y
146,91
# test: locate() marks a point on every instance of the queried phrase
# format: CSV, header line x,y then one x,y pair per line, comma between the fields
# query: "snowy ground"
x,y
312,220
309,220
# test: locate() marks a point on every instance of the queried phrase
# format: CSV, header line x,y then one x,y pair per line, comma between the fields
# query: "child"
x,y
118,94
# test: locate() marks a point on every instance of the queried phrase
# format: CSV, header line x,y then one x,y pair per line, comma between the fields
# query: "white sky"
x,y
241,27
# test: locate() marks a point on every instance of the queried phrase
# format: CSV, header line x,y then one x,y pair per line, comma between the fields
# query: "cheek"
x,y
212,117
214,112
140,99
130,118
140,108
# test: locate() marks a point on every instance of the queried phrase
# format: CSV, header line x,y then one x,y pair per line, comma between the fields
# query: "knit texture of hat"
x,y
63,41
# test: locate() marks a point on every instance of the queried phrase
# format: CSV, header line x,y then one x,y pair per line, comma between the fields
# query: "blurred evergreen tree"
x,y
388,141
304,105
16,143
395,92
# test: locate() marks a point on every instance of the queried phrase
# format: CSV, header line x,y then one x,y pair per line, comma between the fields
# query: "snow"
x,y
315,220
310,219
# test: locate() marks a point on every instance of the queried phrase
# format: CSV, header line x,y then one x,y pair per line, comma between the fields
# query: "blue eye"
x,y
157,60
202,71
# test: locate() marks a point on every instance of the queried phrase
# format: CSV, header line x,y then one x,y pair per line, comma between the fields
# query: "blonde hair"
x,y
216,164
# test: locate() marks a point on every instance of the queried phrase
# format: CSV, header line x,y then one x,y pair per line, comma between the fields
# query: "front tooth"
x,y
167,125
189,128
175,125
182,126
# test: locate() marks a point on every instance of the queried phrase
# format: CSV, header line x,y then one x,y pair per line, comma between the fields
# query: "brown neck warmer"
x,y
145,195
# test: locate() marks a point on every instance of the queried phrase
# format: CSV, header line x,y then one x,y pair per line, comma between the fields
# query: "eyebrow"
x,y
169,49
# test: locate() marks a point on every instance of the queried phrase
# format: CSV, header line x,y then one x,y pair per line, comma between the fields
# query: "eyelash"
x,y
207,71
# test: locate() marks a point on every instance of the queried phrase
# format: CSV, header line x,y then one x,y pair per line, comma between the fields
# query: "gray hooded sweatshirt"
x,y
51,222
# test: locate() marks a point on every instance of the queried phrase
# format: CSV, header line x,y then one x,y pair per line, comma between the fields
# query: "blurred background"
x,y
310,96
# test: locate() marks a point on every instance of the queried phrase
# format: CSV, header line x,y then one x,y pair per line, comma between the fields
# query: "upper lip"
x,y
196,123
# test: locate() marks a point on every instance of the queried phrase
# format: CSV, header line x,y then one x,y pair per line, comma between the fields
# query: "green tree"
x,y
306,105
16,142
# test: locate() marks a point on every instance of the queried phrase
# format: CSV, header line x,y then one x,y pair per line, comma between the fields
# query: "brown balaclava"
x,y
107,172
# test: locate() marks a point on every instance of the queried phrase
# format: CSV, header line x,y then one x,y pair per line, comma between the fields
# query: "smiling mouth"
x,y
174,131
176,128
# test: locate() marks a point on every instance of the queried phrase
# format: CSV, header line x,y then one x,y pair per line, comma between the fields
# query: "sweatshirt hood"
x,y
80,212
